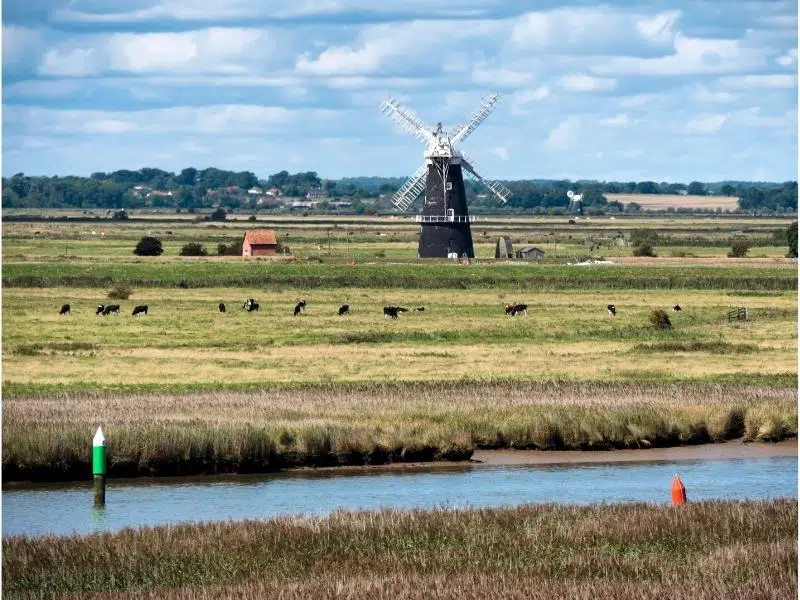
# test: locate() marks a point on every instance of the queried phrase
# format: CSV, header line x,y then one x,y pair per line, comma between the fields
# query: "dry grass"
x,y
701,551
46,438
664,201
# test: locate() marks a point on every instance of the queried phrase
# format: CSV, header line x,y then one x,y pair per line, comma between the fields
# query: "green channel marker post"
x,y
99,467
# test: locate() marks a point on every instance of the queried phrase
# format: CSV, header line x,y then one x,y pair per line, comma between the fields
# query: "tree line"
x,y
193,188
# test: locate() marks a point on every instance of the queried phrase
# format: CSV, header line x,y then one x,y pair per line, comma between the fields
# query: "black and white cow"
x,y
111,308
676,308
393,311
248,304
344,309
222,307
252,306
419,309
65,310
516,309
139,309
100,309
612,310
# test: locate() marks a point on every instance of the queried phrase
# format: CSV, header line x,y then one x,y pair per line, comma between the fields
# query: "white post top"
x,y
99,438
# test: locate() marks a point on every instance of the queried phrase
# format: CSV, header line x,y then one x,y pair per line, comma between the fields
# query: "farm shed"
x,y
503,248
259,242
530,253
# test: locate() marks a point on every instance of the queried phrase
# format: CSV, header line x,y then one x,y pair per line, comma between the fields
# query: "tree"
x,y
727,190
696,189
219,214
193,249
791,238
149,246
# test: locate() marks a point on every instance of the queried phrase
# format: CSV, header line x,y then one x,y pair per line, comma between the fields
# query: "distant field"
x,y
664,201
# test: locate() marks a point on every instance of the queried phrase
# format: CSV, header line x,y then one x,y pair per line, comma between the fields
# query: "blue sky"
x,y
665,91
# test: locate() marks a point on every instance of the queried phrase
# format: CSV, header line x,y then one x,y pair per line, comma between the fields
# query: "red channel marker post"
x,y
678,491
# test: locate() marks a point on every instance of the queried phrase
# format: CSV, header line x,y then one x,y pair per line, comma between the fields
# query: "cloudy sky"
x,y
666,91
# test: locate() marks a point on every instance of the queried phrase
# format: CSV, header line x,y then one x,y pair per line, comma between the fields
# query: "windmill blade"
x,y
461,132
405,196
407,120
497,188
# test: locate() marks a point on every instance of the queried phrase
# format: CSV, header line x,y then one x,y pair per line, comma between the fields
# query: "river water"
x,y
63,509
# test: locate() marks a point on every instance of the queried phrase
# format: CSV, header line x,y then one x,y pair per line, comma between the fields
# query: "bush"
x,y
739,249
252,218
644,237
120,292
193,249
791,239
644,250
149,246
234,249
660,319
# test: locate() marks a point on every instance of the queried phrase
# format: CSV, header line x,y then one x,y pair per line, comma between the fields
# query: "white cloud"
x,y
231,119
788,59
565,135
502,77
524,97
212,50
691,56
19,43
588,30
708,124
500,151
704,94
638,100
620,120
586,83
744,82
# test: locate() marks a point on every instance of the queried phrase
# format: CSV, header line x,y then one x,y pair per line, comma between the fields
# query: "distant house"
x,y
504,248
259,242
255,191
273,192
530,253
316,194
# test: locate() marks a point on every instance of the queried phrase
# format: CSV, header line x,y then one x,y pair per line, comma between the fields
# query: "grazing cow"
x,y
344,309
419,309
139,309
100,309
111,308
676,308
65,310
221,307
390,311
302,304
515,309
298,308
248,303
519,309
612,310
252,306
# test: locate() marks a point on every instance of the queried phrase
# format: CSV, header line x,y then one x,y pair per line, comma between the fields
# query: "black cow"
x,y
390,311
139,309
344,309
111,308
515,309
100,309
612,310
221,307
419,309
65,310
519,309
676,308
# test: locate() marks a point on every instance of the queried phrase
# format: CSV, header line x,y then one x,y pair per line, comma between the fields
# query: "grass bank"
x,y
704,550
238,273
47,438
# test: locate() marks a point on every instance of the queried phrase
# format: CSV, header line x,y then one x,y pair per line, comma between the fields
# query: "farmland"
x,y
62,374
665,201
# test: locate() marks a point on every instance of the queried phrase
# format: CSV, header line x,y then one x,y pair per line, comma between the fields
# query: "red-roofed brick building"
x,y
259,242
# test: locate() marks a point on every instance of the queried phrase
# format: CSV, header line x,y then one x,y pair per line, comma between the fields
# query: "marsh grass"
x,y
703,550
713,347
47,438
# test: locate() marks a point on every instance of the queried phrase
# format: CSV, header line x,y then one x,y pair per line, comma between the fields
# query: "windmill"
x,y
445,220
575,202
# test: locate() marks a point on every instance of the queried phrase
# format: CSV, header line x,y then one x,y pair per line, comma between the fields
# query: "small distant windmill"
x,y
445,220
575,202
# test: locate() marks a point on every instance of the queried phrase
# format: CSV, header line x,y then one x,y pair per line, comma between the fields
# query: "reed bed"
x,y
238,273
47,438
702,550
